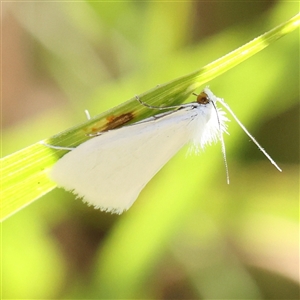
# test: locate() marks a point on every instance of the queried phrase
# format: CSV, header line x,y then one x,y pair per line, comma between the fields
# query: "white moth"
x,y
109,170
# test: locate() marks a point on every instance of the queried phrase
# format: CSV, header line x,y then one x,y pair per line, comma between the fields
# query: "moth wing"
x,y
109,171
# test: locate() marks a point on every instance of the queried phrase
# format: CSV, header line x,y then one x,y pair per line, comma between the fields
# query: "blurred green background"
x,y
189,235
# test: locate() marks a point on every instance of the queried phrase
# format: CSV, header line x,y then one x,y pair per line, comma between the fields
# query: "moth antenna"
x,y
155,107
249,135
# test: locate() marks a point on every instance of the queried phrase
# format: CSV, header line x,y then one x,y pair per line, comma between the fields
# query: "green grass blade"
x,y
24,173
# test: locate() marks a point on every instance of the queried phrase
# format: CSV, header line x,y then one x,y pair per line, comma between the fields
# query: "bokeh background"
x,y
189,235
